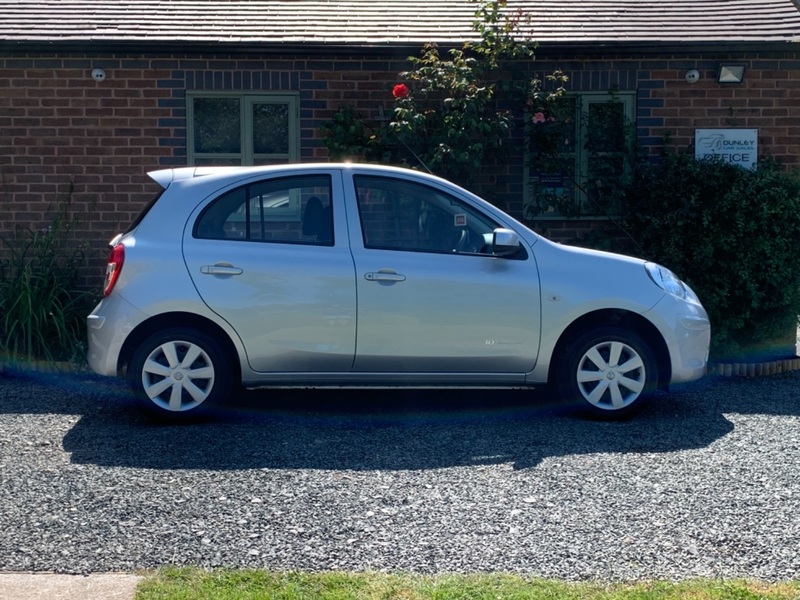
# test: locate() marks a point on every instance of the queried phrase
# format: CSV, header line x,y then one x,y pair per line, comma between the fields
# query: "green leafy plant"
x,y
42,308
448,123
448,117
347,136
732,235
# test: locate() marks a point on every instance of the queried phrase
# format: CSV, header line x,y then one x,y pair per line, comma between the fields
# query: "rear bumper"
x,y
107,328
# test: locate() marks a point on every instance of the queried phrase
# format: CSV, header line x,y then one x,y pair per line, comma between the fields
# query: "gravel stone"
x,y
703,483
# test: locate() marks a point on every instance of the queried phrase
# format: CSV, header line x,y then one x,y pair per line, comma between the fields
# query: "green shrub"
x,y
42,308
348,137
730,233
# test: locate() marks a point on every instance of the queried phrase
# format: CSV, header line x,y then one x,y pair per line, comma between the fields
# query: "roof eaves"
x,y
394,49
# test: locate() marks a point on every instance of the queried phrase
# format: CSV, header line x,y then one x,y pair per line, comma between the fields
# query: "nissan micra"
x,y
364,275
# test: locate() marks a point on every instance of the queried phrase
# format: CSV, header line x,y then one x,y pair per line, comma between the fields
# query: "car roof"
x,y
164,177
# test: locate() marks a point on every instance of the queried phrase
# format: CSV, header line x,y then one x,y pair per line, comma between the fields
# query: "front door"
x,y
431,296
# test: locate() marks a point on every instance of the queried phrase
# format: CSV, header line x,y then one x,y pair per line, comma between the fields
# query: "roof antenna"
x,y
382,117
417,157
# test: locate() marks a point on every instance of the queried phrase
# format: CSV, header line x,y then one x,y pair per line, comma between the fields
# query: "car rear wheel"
x,y
608,372
178,373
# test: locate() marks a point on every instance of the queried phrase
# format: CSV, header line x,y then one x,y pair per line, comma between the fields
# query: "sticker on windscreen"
x,y
460,220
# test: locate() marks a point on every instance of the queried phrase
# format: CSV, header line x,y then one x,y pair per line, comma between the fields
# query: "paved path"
x,y
41,586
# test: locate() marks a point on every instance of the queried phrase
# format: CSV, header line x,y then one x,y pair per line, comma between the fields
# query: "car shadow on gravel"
x,y
382,429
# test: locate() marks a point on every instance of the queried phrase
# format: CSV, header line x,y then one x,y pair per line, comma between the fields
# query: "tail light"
x,y
115,260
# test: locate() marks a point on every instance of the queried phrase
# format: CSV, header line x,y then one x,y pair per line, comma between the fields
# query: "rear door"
x,y
272,258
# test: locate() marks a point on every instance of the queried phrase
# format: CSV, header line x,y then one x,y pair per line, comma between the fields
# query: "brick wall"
x,y
62,134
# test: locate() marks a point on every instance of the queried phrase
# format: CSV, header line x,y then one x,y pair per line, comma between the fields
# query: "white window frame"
x,y
247,156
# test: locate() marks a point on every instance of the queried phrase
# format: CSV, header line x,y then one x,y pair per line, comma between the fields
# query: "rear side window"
x,y
293,210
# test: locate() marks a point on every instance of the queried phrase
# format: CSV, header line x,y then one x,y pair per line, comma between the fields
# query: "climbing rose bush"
x,y
400,91
458,117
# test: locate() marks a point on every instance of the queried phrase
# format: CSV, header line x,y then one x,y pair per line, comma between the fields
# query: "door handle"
x,y
224,269
389,276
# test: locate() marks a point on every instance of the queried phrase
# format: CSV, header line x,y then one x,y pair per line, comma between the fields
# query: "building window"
x,y
578,151
242,129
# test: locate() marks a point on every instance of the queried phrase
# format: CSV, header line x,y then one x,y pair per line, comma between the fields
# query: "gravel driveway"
x,y
703,483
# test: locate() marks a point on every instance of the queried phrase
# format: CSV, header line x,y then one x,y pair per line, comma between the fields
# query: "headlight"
x,y
669,282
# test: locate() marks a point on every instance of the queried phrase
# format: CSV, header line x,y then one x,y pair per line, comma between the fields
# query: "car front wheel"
x,y
608,372
179,373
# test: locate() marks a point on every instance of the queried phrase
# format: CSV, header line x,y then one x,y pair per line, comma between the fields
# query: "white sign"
x,y
736,146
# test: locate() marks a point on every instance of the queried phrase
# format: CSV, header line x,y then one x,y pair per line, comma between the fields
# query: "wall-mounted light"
x,y
730,73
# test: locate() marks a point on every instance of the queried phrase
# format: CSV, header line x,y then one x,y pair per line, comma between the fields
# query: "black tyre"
x,y
179,373
608,372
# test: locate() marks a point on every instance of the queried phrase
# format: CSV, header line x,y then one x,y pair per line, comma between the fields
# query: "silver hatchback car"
x,y
364,275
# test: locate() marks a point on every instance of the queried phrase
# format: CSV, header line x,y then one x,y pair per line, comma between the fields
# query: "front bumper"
x,y
686,330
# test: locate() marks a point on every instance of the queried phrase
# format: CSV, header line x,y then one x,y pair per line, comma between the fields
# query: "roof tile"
x,y
376,22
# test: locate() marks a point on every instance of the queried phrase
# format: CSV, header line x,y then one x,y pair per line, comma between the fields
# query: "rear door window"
x,y
293,210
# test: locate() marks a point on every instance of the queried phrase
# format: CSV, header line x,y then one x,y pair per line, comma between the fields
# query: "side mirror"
x,y
505,242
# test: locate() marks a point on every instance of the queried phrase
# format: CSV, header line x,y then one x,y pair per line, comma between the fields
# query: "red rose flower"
x,y
400,91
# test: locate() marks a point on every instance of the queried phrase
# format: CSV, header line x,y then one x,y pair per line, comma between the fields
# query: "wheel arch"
x,y
177,319
622,318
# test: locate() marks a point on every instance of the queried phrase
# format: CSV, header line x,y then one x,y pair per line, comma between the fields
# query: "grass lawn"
x,y
192,583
